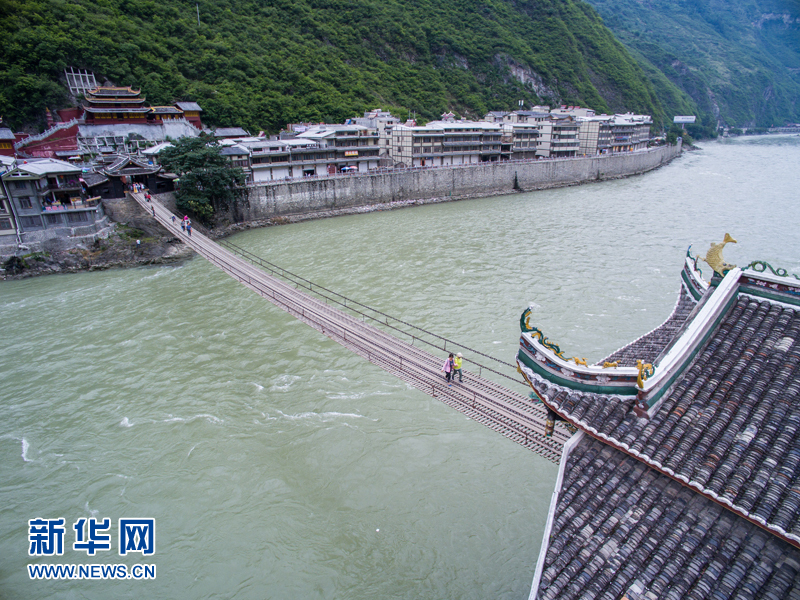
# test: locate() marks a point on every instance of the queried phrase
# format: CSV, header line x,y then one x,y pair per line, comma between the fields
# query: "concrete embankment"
x,y
313,198
290,201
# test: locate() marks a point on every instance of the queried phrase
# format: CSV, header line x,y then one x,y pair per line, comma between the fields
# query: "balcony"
x,y
80,205
60,185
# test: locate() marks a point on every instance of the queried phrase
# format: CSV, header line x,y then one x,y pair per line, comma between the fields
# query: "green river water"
x,y
275,463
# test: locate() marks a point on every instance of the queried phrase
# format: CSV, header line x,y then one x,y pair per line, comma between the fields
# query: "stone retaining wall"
x,y
342,194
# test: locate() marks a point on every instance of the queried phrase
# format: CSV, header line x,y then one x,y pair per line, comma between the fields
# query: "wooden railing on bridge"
x,y
510,413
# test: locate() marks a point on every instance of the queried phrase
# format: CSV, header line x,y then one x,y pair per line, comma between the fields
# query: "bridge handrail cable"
x,y
314,287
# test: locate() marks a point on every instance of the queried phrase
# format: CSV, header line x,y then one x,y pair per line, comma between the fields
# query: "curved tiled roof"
x,y
699,497
730,425
623,530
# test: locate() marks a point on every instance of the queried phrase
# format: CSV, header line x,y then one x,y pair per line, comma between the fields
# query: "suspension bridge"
x,y
354,326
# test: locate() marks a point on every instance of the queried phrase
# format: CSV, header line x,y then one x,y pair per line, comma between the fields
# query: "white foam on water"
x,y
93,513
258,387
209,418
343,396
283,383
125,422
158,273
324,416
25,446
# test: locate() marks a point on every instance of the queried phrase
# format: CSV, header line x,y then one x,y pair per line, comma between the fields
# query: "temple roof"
x,y
142,110
717,422
622,529
189,106
166,110
92,179
127,165
113,91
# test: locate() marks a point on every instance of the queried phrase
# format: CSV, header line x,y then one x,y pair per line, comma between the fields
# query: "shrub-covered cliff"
x,y
264,63
739,60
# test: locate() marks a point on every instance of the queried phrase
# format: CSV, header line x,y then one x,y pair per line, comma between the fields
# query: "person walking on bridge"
x,y
189,228
447,367
457,367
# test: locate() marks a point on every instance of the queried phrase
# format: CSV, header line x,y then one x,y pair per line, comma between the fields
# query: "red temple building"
x,y
111,105
101,120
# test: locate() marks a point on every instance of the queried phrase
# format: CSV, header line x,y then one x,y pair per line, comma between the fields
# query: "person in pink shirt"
x,y
447,367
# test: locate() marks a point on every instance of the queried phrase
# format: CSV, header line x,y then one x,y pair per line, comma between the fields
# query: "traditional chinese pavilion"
x,y
111,105
683,479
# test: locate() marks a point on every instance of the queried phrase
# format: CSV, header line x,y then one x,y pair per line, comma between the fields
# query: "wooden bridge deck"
x,y
503,410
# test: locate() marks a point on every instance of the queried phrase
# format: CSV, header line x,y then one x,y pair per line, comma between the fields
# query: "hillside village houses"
x,y
54,182
379,140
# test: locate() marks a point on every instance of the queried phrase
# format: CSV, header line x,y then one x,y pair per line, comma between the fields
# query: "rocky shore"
x,y
117,247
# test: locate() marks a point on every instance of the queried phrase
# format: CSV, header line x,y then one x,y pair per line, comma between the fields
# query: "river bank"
x,y
133,240
293,202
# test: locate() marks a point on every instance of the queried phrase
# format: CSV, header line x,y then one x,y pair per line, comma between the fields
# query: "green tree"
x,y
209,184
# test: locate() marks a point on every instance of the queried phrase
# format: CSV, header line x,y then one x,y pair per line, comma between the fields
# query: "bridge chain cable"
x,y
485,401
344,300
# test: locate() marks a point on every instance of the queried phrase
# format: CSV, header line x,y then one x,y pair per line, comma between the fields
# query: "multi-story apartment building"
x,y
564,142
319,150
604,134
446,143
531,132
593,134
46,194
383,122
272,160
629,132
353,147
571,131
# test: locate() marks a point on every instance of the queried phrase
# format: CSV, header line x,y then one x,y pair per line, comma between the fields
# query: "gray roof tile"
x,y
729,427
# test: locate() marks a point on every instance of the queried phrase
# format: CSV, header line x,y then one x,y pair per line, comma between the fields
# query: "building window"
x,y
20,185
31,221
53,219
79,217
5,224
25,203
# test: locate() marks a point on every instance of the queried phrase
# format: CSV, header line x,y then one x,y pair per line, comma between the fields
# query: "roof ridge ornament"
x,y
714,257
526,327
759,266
646,370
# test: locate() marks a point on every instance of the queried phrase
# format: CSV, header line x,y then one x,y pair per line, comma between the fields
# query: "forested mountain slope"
x,y
739,60
264,63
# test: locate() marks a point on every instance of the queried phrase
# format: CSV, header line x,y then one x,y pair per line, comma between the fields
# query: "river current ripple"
x,y
279,465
